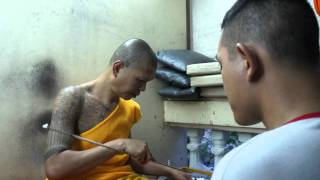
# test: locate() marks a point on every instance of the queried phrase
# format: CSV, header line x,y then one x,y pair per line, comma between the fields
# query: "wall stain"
x,y
40,86
45,78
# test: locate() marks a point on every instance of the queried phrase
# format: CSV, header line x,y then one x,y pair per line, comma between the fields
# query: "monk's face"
x,y
130,81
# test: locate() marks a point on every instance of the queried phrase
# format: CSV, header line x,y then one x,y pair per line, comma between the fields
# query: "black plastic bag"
x,y
179,59
174,93
173,77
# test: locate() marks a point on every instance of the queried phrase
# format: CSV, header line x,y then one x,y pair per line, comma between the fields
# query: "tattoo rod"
x,y
86,140
185,169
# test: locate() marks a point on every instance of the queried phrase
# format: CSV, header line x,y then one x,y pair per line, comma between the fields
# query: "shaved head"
x,y
287,29
134,53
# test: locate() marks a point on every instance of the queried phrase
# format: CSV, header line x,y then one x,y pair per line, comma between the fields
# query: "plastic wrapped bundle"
x,y
179,59
173,77
174,93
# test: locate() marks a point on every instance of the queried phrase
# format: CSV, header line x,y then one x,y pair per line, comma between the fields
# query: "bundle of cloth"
x,y
172,70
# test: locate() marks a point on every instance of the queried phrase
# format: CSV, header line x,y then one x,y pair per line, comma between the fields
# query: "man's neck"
x,y
287,98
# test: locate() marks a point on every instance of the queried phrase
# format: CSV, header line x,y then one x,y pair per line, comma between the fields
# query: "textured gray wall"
x,y
46,45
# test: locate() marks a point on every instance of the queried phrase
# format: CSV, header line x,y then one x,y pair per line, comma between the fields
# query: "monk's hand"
x,y
138,150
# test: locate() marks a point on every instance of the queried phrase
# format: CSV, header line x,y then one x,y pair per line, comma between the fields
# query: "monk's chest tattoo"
x,y
93,112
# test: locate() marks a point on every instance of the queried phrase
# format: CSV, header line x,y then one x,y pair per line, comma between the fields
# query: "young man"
x,y
269,52
102,110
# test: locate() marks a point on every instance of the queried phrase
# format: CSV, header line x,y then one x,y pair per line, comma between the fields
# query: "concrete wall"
x,y
46,45
207,16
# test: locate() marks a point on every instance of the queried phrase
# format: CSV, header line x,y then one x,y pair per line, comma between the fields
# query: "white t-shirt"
x,y
290,152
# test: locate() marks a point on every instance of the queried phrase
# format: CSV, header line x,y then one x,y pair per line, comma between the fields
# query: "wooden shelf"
x,y
215,114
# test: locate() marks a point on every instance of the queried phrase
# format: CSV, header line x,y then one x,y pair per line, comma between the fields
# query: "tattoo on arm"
x,y
64,118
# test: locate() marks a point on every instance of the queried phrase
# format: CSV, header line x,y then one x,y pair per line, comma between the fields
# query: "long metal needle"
x,y
86,140
185,169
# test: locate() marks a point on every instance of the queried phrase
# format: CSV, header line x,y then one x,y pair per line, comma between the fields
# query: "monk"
x,y
103,110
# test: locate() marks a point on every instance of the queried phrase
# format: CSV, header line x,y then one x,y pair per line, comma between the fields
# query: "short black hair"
x,y
287,29
133,52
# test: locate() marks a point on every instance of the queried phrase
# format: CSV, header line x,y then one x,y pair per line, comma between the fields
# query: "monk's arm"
x,y
62,162
155,169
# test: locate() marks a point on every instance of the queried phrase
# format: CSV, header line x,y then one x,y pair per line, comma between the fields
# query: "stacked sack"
x,y
173,72
207,77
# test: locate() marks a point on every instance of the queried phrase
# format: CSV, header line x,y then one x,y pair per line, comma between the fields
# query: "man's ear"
x,y
116,66
251,60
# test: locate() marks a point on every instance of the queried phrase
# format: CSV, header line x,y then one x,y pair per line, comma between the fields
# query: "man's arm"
x,y
62,162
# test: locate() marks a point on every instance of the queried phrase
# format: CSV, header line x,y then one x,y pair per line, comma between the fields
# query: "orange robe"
x,y
117,125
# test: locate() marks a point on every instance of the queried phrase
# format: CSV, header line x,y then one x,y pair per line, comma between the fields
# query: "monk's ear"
x,y
251,62
116,67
